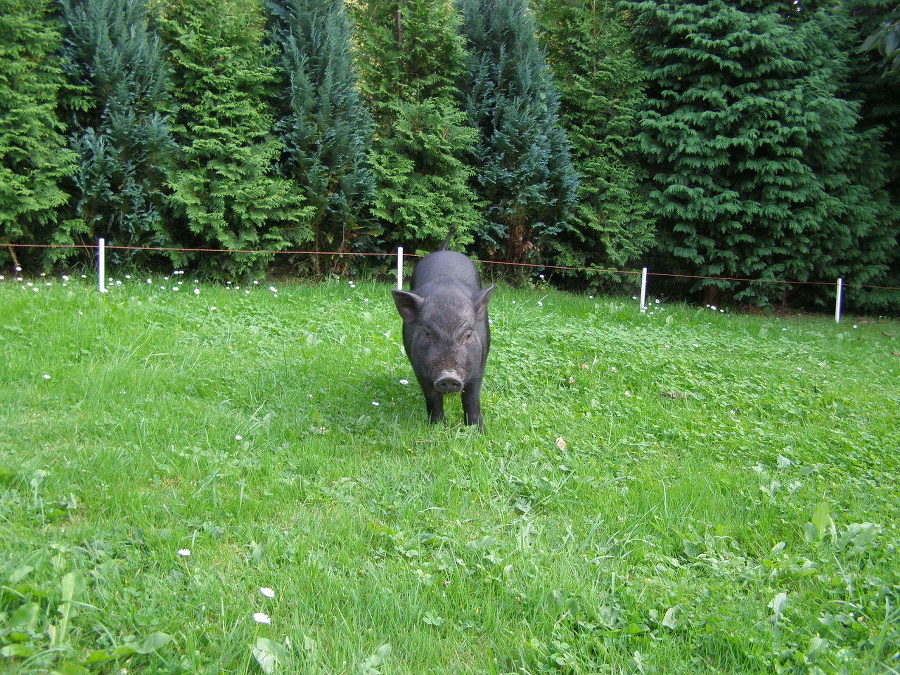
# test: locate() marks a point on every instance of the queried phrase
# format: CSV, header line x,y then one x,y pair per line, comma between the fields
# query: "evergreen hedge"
x,y
717,138
34,159
325,130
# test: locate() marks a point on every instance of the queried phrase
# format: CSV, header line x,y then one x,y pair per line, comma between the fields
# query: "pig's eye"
x,y
468,335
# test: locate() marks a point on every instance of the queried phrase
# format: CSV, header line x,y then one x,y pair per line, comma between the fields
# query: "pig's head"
x,y
446,334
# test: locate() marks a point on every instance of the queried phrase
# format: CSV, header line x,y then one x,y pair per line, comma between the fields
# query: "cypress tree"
x,y
225,189
523,162
324,127
33,154
601,90
117,98
412,58
743,134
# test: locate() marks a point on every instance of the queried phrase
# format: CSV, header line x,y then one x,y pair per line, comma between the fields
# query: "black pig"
x,y
445,331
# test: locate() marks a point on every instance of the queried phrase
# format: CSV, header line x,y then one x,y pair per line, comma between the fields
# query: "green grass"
x,y
683,491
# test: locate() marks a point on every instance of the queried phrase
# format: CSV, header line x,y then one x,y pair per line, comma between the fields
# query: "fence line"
x,y
163,249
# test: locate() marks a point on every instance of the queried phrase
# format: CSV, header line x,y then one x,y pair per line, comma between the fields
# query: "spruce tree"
x,y
601,90
33,155
118,102
324,127
523,161
225,189
412,58
742,135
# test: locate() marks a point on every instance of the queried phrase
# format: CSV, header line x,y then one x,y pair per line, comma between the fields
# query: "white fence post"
x,y
644,290
400,267
837,304
101,265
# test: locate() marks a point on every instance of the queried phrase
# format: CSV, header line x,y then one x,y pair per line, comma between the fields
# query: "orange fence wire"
x,y
163,249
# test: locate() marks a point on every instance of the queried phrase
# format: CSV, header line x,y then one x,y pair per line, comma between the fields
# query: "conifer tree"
x,y
412,58
324,127
117,98
225,189
523,161
33,154
859,229
601,92
742,134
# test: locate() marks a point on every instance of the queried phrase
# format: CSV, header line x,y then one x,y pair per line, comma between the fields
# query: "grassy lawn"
x,y
683,491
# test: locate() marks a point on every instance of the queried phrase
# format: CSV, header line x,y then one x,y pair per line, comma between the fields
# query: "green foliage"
x,y
117,98
601,95
885,41
411,56
858,236
523,161
749,139
33,154
423,187
751,150
880,97
225,189
324,127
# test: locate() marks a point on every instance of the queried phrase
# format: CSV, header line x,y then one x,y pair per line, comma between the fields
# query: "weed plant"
x,y
222,479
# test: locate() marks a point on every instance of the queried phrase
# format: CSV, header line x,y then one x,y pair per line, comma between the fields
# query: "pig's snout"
x,y
448,382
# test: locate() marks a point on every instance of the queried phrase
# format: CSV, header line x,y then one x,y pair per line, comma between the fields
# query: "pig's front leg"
x,y
434,402
471,402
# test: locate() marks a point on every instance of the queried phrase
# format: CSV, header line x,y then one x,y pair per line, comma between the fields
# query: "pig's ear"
x,y
408,304
480,300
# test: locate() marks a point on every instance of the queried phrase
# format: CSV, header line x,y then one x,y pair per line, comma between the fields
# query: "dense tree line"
x,y
759,169
738,139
